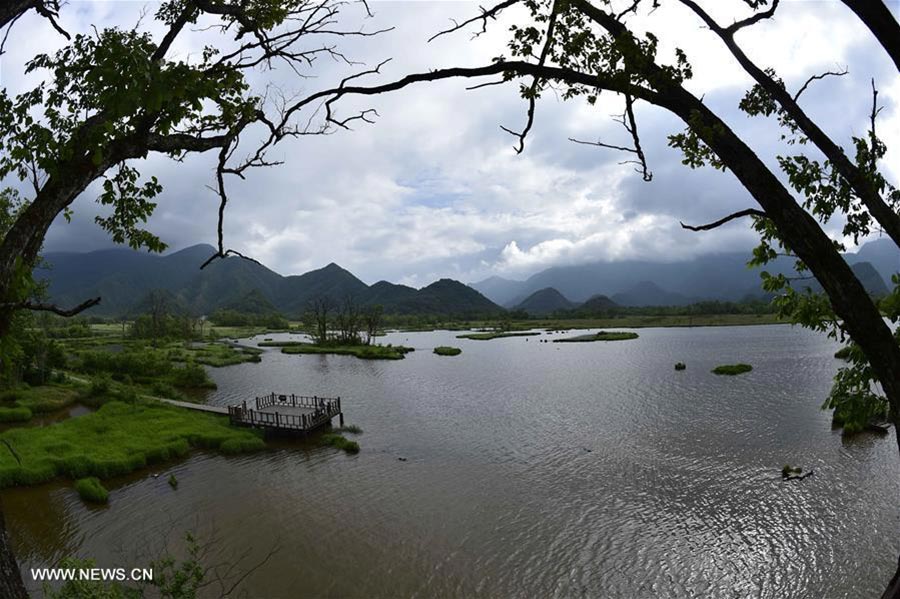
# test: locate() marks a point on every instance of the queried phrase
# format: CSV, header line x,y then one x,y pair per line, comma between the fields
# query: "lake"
x,y
523,469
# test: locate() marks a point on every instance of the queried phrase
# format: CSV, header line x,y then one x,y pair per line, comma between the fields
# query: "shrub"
x,y
99,386
680,366
191,376
173,482
162,389
90,489
11,395
732,369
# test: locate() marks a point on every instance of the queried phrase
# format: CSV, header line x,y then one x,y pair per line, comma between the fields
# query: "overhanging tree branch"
x,y
43,307
878,18
861,184
726,219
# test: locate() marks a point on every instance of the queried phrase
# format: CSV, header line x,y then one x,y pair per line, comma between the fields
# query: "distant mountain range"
x,y
711,277
125,279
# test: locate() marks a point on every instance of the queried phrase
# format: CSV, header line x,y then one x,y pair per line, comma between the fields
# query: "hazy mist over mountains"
x,y
722,276
124,278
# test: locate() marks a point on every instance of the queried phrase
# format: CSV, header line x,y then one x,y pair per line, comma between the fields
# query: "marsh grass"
x,y
23,402
487,336
599,336
91,490
15,414
445,350
350,428
116,439
219,354
338,441
732,369
364,352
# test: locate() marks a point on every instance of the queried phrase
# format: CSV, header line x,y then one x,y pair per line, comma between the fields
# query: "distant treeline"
x,y
234,318
706,307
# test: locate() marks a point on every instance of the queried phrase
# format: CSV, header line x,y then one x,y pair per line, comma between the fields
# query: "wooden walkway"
x,y
201,407
292,413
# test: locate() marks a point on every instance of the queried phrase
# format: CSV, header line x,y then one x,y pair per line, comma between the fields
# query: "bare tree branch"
x,y
722,221
817,78
753,20
42,307
490,13
532,92
631,127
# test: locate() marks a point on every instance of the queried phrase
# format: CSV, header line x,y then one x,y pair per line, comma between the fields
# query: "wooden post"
x,y
341,416
276,420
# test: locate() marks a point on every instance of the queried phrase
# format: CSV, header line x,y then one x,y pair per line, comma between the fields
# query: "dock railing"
x,y
319,411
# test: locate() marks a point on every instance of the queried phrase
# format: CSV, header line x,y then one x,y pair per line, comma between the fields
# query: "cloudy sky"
x,y
434,188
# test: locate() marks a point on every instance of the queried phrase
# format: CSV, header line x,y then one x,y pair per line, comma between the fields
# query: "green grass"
x,y
340,442
51,397
445,350
117,439
487,336
16,414
219,354
23,402
600,336
365,352
732,369
91,490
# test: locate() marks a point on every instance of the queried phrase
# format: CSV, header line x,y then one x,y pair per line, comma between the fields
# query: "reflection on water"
x,y
529,469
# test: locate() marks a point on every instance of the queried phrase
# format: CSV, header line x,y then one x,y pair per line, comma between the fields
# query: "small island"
x,y
445,350
599,336
365,352
732,369
488,335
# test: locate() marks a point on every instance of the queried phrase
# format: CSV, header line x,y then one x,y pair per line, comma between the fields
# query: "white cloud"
x,y
434,189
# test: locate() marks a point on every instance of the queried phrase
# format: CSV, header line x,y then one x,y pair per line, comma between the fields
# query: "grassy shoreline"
x,y
117,439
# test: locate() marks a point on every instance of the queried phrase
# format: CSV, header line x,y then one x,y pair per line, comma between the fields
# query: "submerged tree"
x,y
582,48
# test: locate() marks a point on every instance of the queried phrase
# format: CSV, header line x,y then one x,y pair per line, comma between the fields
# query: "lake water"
x,y
524,469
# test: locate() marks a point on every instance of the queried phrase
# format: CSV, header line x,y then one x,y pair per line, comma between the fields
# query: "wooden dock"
x,y
290,413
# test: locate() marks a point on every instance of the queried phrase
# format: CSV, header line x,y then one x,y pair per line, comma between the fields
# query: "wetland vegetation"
x,y
599,336
732,369
446,350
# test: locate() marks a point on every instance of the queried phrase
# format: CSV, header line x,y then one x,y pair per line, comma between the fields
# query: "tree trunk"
x,y
893,589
